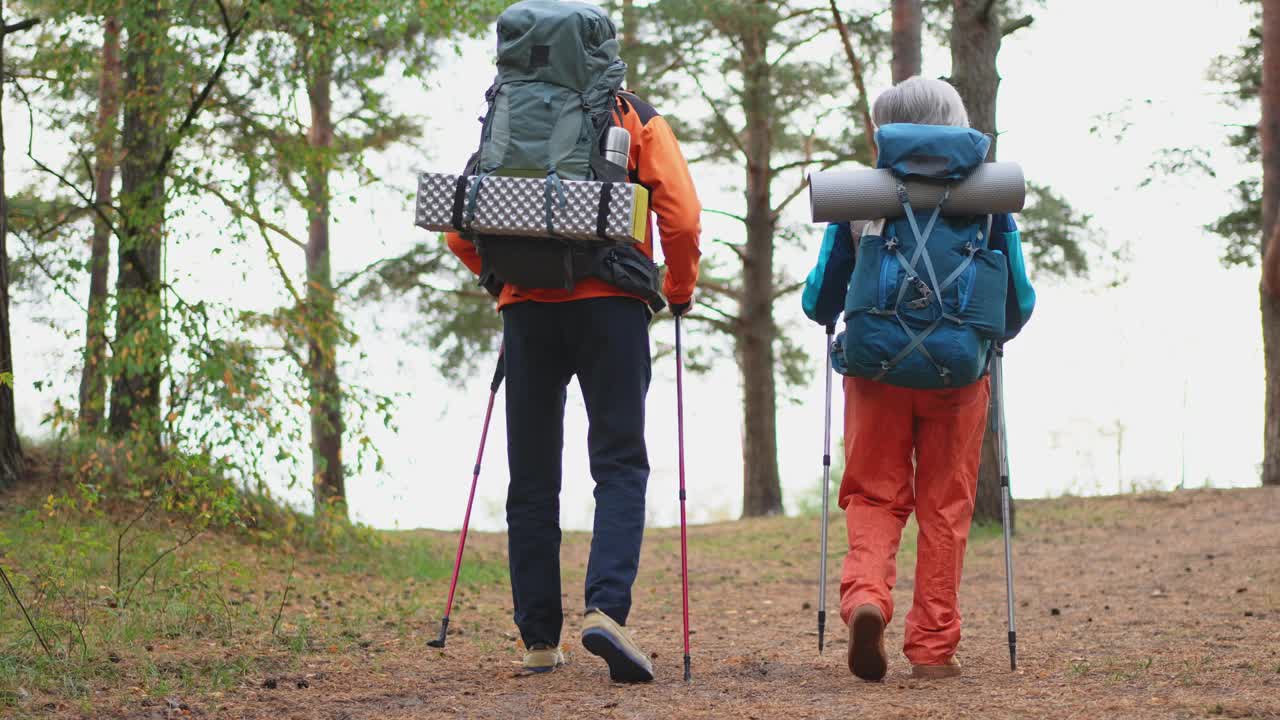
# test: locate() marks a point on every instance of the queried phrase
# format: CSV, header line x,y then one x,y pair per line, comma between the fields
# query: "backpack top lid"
x,y
566,43
932,152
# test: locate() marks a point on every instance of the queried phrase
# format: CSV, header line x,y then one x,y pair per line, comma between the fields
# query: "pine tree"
x,y
775,114
10,449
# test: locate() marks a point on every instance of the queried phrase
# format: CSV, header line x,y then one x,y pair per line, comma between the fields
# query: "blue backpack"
x,y
927,297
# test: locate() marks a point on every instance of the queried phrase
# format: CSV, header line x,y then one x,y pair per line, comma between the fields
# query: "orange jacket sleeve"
x,y
465,251
661,167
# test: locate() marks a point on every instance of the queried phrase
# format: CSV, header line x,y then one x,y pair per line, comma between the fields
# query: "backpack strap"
x,y
602,213
929,291
971,251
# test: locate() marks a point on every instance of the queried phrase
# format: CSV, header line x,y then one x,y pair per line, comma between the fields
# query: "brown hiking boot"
x,y
866,644
949,669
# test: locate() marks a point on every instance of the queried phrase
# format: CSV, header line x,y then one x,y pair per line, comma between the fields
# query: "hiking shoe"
x,y
948,669
606,638
866,644
542,658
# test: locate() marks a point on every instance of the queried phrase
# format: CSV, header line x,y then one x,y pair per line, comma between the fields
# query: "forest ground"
x,y
1154,605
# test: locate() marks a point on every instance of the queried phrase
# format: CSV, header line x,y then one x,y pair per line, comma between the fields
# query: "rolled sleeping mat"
x,y
592,211
842,195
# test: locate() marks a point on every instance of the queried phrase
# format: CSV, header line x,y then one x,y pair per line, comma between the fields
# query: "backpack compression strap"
x,y
929,290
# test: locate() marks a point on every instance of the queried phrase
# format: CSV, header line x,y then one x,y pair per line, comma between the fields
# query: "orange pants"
x,y
910,450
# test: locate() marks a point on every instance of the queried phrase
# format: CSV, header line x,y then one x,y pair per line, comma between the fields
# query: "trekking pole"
x,y
826,485
1002,454
684,547
498,374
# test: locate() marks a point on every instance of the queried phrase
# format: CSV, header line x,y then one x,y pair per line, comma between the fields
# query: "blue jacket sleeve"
x,y
1021,297
828,282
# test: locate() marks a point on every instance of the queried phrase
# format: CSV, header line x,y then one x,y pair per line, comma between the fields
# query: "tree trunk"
x,y
140,333
325,392
10,448
93,378
627,38
907,24
762,488
975,42
1269,131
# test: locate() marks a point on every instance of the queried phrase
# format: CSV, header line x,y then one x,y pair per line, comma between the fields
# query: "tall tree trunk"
x,y
762,488
1269,131
10,448
975,42
322,368
93,378
907,24
140,333
629,35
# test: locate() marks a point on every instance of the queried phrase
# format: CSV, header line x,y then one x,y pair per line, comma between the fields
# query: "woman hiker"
x,y
910,449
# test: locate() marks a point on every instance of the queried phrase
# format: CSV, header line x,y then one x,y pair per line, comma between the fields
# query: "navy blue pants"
x,y
605,343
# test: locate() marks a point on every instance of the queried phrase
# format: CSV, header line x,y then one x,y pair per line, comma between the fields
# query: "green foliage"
x,y
6,379
1240,73
1059,238
455,316
231,75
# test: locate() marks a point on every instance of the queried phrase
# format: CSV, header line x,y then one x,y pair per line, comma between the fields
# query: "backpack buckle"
x,y
970,248
892,244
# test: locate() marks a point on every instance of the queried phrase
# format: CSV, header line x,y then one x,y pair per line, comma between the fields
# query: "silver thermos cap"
x,y
617,146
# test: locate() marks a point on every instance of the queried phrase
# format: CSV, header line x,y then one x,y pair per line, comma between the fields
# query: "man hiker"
x,y
922,321
571,311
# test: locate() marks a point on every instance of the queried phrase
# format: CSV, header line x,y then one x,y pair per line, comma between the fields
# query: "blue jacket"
x,y
828,282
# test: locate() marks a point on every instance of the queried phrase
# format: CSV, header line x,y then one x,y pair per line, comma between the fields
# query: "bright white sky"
x,y
1173,354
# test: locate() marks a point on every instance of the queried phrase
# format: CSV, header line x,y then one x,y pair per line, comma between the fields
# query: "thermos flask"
x,y
617,146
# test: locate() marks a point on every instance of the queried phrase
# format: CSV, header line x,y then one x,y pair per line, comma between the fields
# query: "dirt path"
x,y
1149,606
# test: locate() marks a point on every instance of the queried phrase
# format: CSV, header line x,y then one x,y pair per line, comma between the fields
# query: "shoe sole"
x,y
866,660
623,667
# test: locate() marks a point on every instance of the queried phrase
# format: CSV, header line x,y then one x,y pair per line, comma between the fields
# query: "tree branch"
x,y
180,544
14,593
795,45
737,250
233,34
777,211
739,218
120,542
721,289
20,26
720,118
862,106
240,212
88,201
787,290
293,559
1014,26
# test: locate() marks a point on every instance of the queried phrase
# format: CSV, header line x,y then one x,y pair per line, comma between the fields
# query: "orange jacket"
x,y
656,163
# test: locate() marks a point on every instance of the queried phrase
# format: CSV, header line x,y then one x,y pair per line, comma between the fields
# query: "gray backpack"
x,y
549,109
558,82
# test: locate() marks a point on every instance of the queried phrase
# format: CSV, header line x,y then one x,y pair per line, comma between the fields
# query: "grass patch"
x,y
158,609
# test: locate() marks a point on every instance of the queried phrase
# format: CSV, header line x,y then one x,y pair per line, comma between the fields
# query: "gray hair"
x,y
920,100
